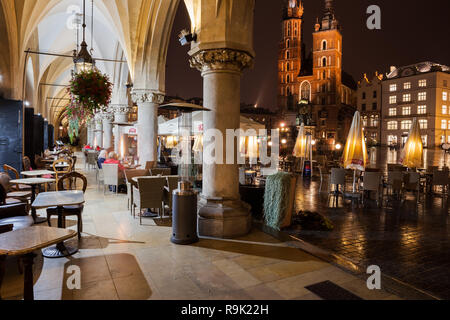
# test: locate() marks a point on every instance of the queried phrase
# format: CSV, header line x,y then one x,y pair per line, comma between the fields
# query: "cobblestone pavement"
x,y
410,243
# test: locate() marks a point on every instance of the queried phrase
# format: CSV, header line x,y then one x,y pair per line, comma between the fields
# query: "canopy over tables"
x,y
412,153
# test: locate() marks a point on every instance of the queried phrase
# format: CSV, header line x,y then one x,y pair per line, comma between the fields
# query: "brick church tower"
x,y
290,55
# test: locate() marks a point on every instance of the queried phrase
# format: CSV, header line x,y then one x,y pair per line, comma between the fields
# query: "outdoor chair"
x,y
110,176
337,178
38,161
412,183
394,182
70,181
160,172
150,195
92,160
172,184
372,183
440,179
61,172
129,175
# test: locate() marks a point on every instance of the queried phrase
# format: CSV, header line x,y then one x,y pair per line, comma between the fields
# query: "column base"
x,y
223,218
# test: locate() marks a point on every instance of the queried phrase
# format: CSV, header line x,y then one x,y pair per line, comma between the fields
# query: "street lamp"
x,y
83,60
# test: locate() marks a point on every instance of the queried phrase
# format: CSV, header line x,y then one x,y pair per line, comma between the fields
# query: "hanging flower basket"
x,y
90,91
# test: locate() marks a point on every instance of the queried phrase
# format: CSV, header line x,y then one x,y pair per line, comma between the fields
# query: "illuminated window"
x,y
444,109
421,109
392,125
443,124
364,121
393,87
406,124
422,83
444,96
393,99
374,121
407,85
407,97
422,96
392,112
406,111
423,124
392,140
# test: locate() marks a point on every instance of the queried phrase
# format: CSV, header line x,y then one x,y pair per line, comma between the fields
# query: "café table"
x,y
37,173
59,199
25,242
34,182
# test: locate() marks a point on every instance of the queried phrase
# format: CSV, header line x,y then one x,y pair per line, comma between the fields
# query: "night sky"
x,y
412,31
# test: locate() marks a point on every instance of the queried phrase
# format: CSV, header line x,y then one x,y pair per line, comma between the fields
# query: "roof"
x,y
418,68
348,81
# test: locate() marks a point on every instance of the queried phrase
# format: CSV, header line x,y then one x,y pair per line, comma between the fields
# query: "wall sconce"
x,y
185,37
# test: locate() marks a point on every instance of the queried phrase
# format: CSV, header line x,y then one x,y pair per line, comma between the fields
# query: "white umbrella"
x,y
355,151
412,153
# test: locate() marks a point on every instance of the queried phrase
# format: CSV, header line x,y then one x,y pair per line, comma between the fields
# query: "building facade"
x,y
417,91
369,103
316,83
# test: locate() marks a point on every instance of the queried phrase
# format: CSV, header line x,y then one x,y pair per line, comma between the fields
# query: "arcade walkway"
x,y
121,260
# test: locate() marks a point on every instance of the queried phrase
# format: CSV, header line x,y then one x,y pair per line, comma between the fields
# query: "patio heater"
x,y
184,215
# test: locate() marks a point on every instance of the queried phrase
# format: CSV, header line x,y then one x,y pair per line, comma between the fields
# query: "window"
x,y
364,121
363,107
392,125
287,79
374,106
374,121
324,62
421,109
444,109
392,112
423,123
407,97
364,96
393,87
375,94
444,96
424,140
393,99
444,124
407,85
422,96
445,83
392,140
406,124
324,45
406,111
422,83
288,55
288,42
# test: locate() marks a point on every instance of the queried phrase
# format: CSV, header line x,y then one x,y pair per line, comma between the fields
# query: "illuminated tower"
x,y
290,55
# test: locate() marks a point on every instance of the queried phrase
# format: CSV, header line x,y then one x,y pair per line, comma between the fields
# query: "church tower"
x,y
290,55
327,58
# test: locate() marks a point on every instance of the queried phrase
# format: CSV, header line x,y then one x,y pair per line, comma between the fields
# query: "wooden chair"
x,y
13,173
70,182
150,195
23,196
38,161
58,172
150,165
26,164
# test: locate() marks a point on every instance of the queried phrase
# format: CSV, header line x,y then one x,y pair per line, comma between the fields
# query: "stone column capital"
x,y
147,96
221,60
119,109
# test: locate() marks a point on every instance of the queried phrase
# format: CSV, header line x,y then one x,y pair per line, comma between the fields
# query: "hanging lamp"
x,y
83,60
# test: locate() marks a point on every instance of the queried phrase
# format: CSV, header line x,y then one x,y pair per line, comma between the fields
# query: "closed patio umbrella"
x,y
355,152
301,144
412,153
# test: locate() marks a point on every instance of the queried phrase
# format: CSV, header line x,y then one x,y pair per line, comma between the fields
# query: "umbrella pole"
x,y
354,181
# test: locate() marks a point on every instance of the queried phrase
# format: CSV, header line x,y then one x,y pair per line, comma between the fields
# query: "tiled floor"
x,y
409,243
119,259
